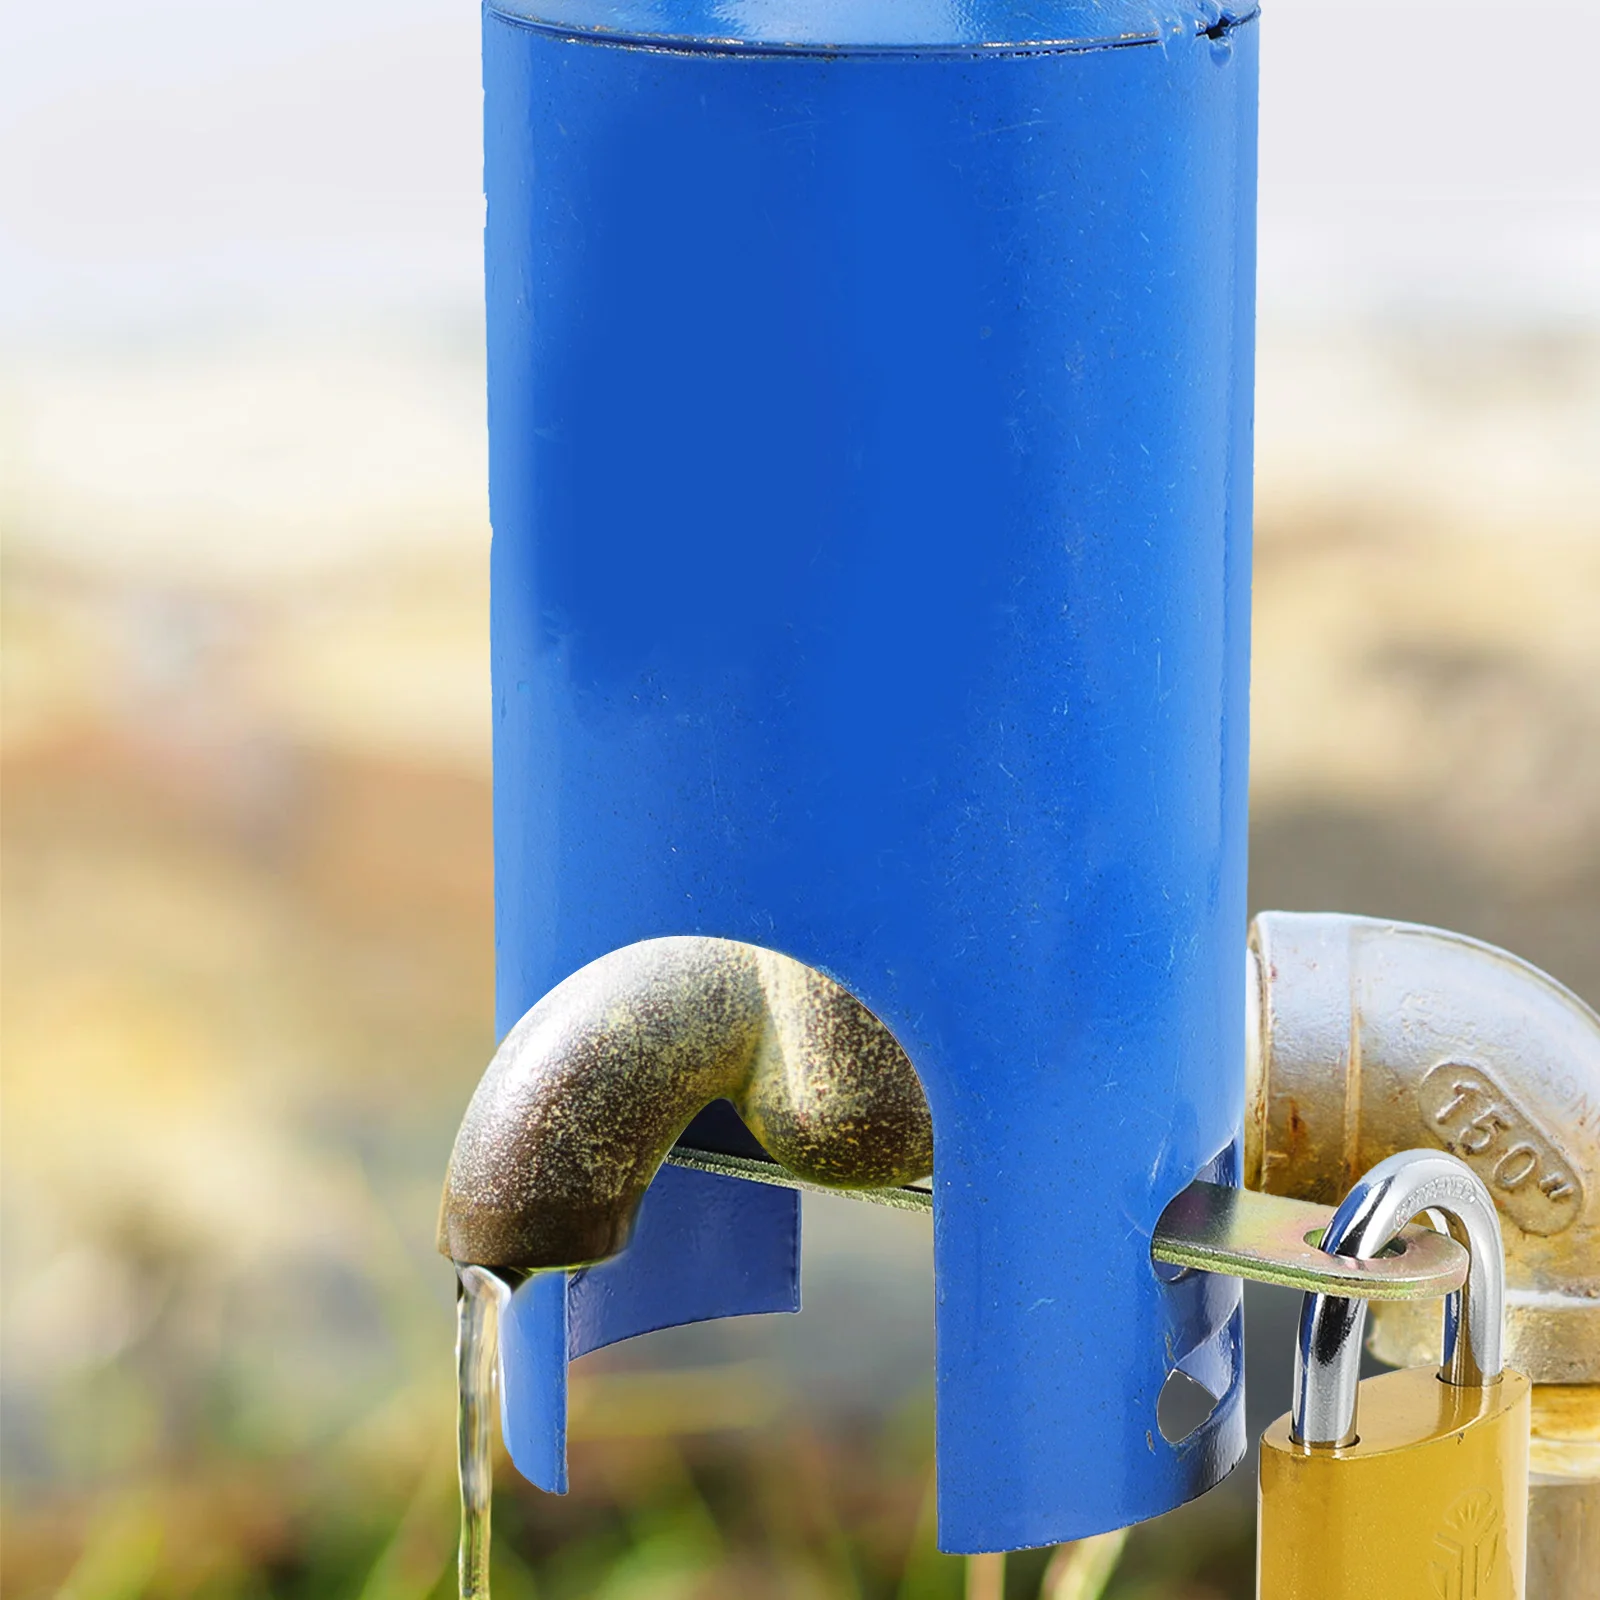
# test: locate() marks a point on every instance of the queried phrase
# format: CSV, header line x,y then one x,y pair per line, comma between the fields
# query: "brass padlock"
x,y
1424,1494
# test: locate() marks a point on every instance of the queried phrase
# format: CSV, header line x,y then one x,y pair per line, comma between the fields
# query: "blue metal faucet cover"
x,y
870,463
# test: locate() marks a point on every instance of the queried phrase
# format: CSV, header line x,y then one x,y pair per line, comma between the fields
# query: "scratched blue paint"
x,y
870,469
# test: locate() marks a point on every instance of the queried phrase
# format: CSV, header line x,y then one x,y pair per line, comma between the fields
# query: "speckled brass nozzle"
x,y
588,1092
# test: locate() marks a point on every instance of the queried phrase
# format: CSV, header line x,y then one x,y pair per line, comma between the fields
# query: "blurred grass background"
x,y
247,962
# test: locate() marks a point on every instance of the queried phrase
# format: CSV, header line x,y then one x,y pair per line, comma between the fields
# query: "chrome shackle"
x,y
1328,1350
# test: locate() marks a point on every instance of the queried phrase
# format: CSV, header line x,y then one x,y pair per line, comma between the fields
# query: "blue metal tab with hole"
x,y
870,457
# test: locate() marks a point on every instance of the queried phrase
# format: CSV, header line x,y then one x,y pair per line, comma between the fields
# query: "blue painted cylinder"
x,y
870,460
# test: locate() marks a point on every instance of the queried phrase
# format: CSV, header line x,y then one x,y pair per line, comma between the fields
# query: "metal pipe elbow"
x,y
1369,1037
589,1091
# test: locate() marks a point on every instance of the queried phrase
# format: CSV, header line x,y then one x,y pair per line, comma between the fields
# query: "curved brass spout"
x,y
588,1092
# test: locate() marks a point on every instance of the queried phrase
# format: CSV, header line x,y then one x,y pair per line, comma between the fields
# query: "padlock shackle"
x,y
1328,1350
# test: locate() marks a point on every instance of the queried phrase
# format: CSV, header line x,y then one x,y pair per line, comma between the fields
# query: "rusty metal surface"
x,y
589,1090
1556,1336
1563,1539
1566,1431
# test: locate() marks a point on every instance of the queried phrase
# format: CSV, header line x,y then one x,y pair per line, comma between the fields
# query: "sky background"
x,y
185,162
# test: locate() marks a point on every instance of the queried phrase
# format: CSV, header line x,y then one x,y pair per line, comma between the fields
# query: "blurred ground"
x,y
247,960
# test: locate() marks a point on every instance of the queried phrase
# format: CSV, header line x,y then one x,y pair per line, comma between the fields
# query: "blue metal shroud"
x,y
870,427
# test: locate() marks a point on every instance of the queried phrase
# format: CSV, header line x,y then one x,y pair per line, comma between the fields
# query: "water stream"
x,y
481,1301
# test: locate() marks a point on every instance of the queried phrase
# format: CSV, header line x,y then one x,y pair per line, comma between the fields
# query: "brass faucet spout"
x,y
589,1091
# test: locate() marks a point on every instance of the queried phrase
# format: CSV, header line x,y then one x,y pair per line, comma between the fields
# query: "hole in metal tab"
x,y
1395,1247
1183,1406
